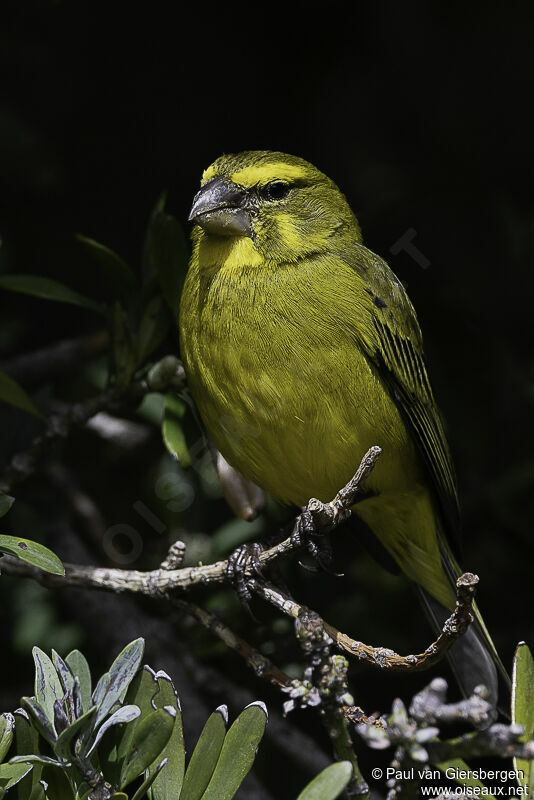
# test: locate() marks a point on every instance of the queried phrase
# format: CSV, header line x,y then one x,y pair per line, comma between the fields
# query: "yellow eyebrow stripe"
x,y
250,176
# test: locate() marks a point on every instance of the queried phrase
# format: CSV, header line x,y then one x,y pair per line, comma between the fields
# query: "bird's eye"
x,y
275,190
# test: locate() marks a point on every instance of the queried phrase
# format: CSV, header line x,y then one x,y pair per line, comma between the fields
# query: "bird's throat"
x,y
229,253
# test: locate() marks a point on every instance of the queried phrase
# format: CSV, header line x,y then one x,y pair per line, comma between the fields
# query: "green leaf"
x,y
169,783
11,774
65,675
167,254
329,783
58,783
27,741
38,286
523,708
48,687
121,674
27,738
116,272
140,693
458,767
151,735
122,715
154,327
238,753
37,759
149,780
7,729
33,553
5,503
66,741
205,755
38,792
39,719
101,689
79,667
124,355
14,395
172,431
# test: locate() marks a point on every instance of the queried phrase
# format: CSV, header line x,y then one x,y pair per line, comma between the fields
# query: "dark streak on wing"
x,y
397,351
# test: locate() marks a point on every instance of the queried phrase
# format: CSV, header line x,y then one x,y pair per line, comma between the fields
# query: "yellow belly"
x,y
292,402
299,429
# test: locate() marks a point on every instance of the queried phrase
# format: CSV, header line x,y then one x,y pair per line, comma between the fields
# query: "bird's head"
x,y
271,206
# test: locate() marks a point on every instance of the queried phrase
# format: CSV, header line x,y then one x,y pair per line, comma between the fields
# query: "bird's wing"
x,y
395,346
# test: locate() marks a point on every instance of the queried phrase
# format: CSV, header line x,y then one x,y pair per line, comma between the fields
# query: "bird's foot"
x,y
244,561
307,535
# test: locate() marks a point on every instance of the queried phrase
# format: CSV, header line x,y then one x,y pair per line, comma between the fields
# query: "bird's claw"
x,y
306,535
244,560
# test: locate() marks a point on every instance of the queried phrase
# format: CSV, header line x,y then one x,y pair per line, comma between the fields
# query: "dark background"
x,y
421,113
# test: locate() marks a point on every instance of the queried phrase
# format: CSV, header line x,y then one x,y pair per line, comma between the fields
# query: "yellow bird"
x,y
302,349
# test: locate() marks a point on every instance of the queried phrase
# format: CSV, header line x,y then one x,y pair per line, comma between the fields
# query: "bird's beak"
x,y
220,207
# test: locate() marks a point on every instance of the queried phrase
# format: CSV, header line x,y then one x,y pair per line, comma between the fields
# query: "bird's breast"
x,y
286,393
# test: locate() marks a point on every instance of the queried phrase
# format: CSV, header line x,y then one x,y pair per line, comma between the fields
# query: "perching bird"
x,y
302,350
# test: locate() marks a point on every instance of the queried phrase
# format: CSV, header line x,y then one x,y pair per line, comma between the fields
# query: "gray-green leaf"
x,y
46,761
140,692
101,689
27,741
48,289
40,719
329,783
205,755
121,674
123,714
39,790
48,687
79,667
66,741
169,783
238,753
7,729
33,553
65,675
11,774
151,735
149,780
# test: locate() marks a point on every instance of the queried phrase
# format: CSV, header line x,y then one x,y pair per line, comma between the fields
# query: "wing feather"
x,y
396,348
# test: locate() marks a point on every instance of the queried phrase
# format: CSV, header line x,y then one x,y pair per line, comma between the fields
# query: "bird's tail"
x,y
473,657
411,532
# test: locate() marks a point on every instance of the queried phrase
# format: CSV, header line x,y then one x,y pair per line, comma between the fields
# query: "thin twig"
x,y
498,740
163,583
383,657
326,680
30,369
260,664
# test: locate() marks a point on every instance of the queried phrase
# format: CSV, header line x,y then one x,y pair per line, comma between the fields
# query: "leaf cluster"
x,y
123,739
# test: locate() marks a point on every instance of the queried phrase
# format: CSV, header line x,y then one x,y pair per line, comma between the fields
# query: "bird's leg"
x,y
312,534
242,563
